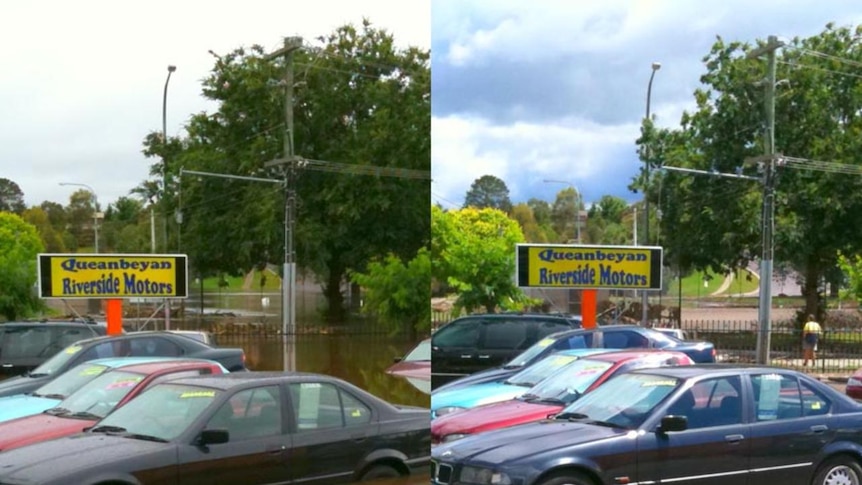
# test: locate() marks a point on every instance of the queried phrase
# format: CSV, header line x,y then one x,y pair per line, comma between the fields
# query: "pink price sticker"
x,y
123,383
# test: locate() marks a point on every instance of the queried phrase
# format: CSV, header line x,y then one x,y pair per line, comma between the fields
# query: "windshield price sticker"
x,y
73,349
190,394
545,342
128,382
670,383
563,360
92,371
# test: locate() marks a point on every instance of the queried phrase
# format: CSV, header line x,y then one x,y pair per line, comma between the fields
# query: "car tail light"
x,y
242,357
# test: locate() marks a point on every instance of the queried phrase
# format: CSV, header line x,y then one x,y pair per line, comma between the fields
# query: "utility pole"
x,y
290,165
769,159
645,296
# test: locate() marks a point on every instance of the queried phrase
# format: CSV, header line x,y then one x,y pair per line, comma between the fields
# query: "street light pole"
x,y
645,296
171,69
578,202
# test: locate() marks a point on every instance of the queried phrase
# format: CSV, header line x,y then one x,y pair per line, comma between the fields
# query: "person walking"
x,y
810,335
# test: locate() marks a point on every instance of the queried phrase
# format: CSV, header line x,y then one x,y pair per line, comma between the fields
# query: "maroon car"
x,y
95,400
552,394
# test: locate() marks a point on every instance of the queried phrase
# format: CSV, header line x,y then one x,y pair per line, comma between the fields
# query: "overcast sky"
x,y
546,89
83,80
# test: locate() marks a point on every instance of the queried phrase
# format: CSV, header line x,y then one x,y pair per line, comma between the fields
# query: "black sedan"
x,y
135,344
249,428
705,424
602,337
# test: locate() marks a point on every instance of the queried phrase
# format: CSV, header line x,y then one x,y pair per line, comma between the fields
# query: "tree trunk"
x,y
334,297
810,290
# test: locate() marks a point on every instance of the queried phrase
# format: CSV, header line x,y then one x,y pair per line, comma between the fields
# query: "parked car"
x,y
551,395
687,424
208,338
415,367
133,344
444,402
55,391
97,399
477,342
606,336
250,428
854,385
26,345
676,333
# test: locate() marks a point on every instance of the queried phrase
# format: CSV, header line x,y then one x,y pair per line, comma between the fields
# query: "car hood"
x,y
22,384
700,352
40,427
476,395
21,405
75,454
414,369
492,416
489,375
521,442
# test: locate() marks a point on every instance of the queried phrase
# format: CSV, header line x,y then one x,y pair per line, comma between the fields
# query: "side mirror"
x,y
213,437
673,423
397,360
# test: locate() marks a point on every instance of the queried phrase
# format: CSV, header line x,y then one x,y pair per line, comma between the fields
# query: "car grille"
x,y
441,473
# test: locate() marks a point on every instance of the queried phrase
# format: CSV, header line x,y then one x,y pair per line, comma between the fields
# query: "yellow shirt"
x,y
812,327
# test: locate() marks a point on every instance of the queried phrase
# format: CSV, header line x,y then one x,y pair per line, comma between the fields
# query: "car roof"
x,y
125,361
630,354
239,379
689,371
581,352
154,367
132,335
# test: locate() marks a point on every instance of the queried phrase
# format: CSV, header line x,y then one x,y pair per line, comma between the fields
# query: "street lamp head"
x,y
656,66
172,68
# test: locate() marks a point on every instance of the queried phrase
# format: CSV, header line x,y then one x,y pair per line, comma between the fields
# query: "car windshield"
x,y
568,383
59,359
534,351
420,352
101,395
662,340
165,411
626,400
71,380
537,372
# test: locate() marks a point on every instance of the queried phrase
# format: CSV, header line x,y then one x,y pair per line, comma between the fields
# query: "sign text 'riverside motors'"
x,y
113,276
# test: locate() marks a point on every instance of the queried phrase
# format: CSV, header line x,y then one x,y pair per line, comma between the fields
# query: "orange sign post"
x,y
588,308
114,316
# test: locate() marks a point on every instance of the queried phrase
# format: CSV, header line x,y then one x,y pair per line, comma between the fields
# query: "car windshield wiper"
x,y
551,400
572,416
85,415
144,437
106,428
57,411
606,424
36,374
51,396
512,366
529,397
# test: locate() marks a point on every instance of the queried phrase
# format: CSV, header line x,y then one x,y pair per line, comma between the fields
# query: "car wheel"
x,y
838,471
569,478
380,471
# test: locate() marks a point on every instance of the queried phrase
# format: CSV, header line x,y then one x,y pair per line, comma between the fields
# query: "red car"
x,y
416,364
552,394
854,385
89,404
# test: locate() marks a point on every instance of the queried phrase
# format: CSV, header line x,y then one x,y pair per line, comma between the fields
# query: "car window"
x,y
108,348
72,380
505,334
537,372
319,405
421,352
547,328
778,397
458,334
711,402
624,339
99,396
579,341
177,375
252,413
154,346
36,341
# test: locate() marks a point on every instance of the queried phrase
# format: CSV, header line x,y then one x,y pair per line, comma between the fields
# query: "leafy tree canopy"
x,y
489,191
19,246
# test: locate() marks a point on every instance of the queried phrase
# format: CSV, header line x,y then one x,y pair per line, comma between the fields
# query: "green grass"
x,y
692,285
235,283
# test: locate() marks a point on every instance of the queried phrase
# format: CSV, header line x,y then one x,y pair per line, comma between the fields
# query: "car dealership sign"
x,y
113,276
589,267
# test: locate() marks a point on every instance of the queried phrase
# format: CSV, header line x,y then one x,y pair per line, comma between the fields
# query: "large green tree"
x,y
11,197
489,191
19,246
715,222
474,251
359,101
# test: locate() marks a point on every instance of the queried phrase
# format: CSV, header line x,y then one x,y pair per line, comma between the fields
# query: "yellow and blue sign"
x,y
113,276
589,267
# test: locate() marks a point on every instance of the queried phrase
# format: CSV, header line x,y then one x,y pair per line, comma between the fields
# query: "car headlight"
x,y
447,410
454,436
483,476
854,382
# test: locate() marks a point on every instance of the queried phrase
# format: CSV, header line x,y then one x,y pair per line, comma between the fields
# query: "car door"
x,y
332,431
714,450
500,340
256,452
790,427
454,348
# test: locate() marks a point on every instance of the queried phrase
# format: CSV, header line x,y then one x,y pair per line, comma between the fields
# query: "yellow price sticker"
x,y
815,405
658,383
189,394
356,413
92,371
73,349
545,342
